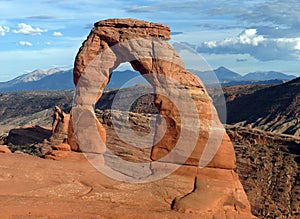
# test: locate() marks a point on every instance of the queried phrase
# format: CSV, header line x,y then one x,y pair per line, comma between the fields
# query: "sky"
x,y
244,36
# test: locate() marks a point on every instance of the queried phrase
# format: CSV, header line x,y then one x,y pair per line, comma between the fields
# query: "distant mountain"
x,y
56,79
125,78
34,76
269,75
276,108
227,77
53,79
273,81
217,76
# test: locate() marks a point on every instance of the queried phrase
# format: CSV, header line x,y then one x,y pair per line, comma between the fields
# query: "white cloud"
x,y
25,43
3,30
247,37
28,29
258,46
57,34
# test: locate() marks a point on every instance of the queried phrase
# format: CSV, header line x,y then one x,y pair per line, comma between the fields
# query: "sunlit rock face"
x,y
188,130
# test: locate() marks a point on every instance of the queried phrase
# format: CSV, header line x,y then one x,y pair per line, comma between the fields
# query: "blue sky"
x,y
244,36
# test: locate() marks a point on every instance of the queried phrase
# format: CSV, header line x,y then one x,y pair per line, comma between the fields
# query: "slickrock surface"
x,y
4,149
32,187
115,41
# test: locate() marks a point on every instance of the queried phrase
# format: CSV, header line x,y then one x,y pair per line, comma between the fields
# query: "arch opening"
x,y
174,87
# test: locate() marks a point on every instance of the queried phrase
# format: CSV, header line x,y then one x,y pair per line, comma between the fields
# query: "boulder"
x,y
62,147
28,134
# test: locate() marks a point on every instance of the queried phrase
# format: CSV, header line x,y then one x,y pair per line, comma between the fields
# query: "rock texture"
x,y
269,168
267,163
4,149
41,141
180,98
28,134
278,111
60,126
268,171
62,147
31,107
216,190
70,187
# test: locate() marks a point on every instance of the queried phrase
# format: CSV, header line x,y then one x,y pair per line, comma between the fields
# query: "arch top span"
x,y
108,33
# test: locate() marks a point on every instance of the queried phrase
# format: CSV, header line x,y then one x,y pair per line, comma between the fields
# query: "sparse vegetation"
x,y
269,172
26,149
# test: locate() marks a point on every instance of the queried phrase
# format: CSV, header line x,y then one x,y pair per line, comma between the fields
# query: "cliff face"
x,y
187,115
275,109
268,166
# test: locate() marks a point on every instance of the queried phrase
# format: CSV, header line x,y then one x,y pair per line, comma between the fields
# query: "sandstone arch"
x,y
143,44
158,58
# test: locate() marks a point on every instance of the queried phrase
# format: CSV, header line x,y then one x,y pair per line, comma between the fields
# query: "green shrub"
x,y
27,149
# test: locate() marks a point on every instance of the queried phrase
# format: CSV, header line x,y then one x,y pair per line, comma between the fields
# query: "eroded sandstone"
x,y
190,119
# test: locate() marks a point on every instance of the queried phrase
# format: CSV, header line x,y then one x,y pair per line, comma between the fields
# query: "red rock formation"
x,y
194,134
45,138
60,129
62,147
4,149
60,125
28,134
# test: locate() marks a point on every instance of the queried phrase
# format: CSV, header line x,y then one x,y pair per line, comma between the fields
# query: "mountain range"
x,y
228,78
53,79
56,79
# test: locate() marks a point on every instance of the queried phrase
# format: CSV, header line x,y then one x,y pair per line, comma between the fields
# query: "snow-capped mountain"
x,y
52,79
35,75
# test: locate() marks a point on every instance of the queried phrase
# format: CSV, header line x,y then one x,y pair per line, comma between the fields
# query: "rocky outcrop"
x,y
278,111
252,136
60,126
43,139
188,130
216,190
62,147
268,164
28,134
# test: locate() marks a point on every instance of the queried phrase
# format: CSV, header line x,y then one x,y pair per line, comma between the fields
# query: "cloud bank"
x,y
258,46
28,29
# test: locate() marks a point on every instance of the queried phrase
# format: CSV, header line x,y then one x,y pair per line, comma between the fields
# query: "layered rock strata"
x,y
188,130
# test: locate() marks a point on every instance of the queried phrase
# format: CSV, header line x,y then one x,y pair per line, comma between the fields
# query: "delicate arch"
x,y
144,45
